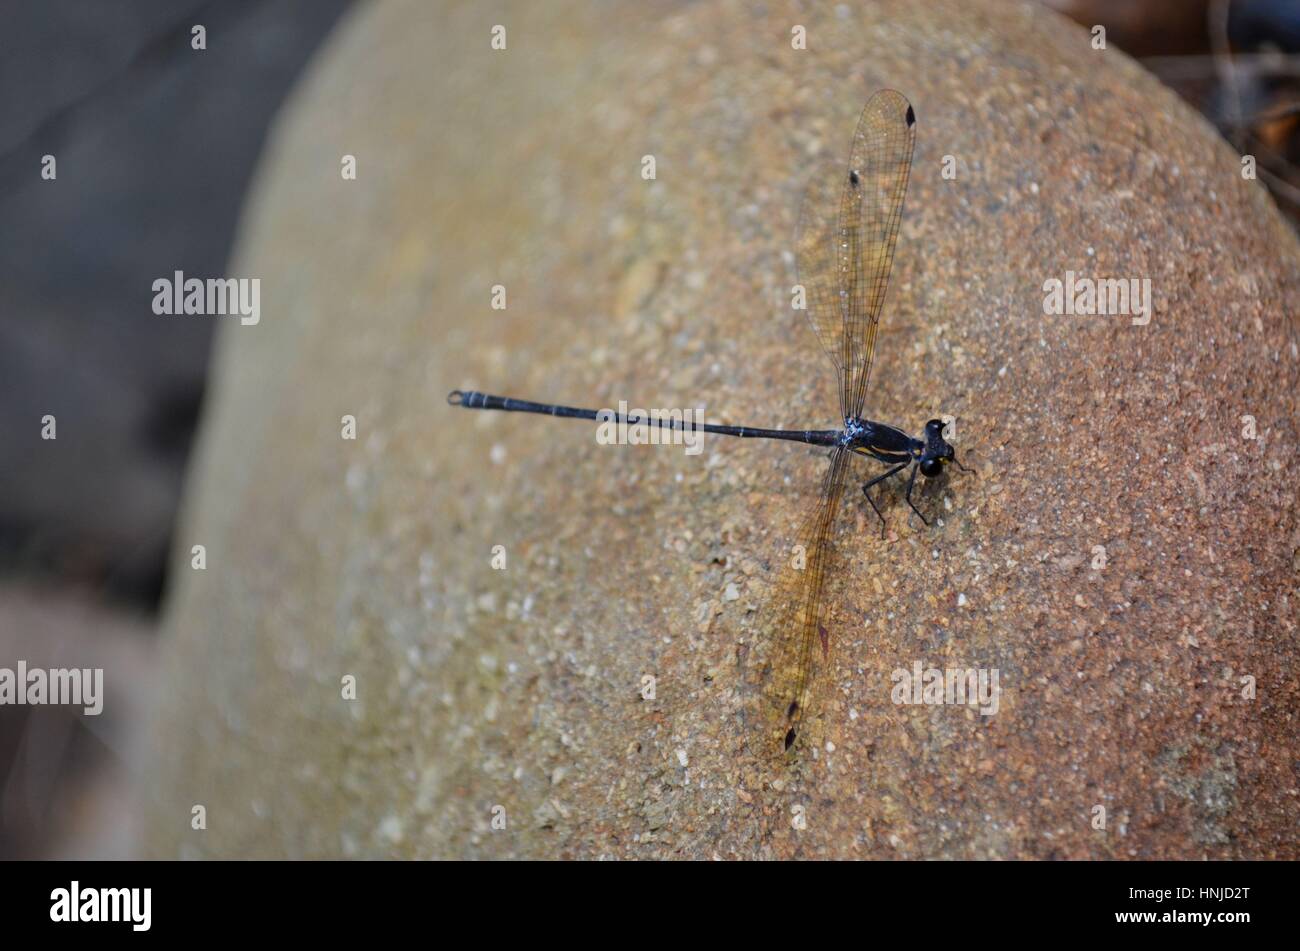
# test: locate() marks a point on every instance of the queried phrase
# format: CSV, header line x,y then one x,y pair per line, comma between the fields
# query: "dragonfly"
x,y
848,229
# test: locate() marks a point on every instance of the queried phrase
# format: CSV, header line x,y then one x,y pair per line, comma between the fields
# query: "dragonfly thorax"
x,y
854,431
878,439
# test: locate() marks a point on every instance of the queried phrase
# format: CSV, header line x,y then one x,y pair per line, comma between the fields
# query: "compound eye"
x,y
931,468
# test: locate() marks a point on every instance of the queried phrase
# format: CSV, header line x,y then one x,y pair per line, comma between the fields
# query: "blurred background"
x,y
156,144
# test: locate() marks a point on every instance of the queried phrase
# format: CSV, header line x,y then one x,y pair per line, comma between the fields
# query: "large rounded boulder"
x,y
490,635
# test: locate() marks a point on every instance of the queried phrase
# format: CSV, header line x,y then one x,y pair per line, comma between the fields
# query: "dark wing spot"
x,y
792,710
789,738
853,178
911,117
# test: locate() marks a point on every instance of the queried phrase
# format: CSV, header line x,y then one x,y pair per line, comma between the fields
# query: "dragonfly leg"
x,y
911,481
880,478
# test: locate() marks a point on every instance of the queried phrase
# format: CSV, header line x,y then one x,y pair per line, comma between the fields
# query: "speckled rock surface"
x,y
517,693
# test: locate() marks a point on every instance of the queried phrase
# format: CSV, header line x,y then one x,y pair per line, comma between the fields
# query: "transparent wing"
x,y
797,644
848,229
818,264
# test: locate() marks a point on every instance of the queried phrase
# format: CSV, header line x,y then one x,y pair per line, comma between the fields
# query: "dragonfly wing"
x,y
848,228
797,645
817,261
870,210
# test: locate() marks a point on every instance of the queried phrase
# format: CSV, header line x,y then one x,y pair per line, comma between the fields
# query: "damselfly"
x,y
845,248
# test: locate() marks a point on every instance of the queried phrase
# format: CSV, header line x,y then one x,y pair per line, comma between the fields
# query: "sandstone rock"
x,y
517,693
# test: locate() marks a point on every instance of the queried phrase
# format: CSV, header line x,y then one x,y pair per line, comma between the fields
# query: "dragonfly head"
x,y
937,452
